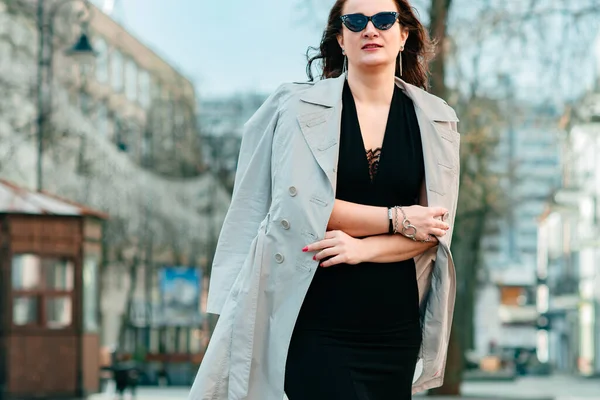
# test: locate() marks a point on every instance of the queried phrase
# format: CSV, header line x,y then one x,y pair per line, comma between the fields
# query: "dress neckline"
x,y
372,156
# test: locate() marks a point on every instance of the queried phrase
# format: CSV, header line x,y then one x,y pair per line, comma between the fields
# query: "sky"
x,y
224,47
232,46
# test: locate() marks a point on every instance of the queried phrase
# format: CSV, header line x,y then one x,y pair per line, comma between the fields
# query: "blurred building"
x,y
528,163
147,108
122,136
50,256
568,269
135,98
142,103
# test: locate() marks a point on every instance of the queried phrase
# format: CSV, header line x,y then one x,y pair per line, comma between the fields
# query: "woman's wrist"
x,y
397,219
366,250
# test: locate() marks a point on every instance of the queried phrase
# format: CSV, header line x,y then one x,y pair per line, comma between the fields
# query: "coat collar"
x,y
328,93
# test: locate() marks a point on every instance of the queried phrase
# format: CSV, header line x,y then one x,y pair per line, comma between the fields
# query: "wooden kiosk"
x,y
50,254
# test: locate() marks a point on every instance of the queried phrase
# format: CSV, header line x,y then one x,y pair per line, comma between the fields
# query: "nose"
x,y
370,30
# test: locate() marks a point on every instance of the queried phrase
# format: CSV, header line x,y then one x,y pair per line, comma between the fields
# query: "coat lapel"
x,y
319,116
432,113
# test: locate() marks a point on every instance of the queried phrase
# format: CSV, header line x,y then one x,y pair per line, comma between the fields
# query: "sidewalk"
x,y
528,388
181,394
557,387
177,394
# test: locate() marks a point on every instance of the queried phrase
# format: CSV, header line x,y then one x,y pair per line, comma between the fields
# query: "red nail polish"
x,y
315,258
305,249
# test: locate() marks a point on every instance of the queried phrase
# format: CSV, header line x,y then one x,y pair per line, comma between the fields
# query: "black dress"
x,y
358,333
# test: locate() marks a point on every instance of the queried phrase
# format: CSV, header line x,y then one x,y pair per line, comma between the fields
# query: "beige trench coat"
x,y
283,197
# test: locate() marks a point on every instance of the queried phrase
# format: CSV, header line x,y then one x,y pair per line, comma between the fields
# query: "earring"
x,y
400,59
345,65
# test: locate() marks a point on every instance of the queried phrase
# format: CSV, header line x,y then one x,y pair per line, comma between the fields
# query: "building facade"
x,y
143,104
568,268
528,164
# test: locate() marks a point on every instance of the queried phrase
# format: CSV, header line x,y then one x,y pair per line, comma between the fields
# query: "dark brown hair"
x,y
418,50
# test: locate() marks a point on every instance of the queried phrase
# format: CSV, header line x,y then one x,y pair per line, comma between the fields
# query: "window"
x,y
101,60
171,340
144,89
25,311
183,342
195,343
516,295
90,293
116,70
129,342
155,91
42,291
154,345
131,89
58,312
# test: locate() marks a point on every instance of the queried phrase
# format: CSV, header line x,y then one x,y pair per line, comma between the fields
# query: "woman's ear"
x,y
340,39
403,34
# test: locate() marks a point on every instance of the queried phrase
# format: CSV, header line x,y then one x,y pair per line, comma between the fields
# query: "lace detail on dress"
x,y
373,156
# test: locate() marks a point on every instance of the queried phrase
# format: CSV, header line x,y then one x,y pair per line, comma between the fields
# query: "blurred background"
x,y
120,126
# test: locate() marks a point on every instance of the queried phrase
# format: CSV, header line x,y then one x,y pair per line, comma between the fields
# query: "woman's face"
x,y
372,47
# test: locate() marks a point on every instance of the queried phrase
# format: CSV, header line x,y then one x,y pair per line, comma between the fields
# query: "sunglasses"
x,y
358,22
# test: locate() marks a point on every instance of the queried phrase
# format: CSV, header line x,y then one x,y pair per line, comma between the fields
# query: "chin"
x,y
376,63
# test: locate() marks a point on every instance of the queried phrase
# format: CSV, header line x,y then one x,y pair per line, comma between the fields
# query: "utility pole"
x,y
81,51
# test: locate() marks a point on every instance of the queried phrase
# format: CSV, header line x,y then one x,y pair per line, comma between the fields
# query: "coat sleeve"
x,y
250,201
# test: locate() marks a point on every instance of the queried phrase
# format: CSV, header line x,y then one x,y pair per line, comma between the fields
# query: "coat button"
x,y
285,224
279,258
293,191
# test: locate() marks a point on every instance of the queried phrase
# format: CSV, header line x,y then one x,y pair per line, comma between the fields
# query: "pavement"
x,y
556,387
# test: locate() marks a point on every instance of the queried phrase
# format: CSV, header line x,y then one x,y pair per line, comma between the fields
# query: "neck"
x,y
373,87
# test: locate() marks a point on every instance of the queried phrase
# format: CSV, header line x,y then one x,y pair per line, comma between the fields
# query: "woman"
x,y
333,274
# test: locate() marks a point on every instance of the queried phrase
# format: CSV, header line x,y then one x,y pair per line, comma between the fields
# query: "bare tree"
x,y
484,111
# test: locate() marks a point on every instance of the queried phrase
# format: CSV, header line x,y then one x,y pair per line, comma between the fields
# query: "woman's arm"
x,y
392,248
350,221
338,247
358,220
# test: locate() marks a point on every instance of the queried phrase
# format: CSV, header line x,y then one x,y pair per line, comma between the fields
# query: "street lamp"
x,y
81,51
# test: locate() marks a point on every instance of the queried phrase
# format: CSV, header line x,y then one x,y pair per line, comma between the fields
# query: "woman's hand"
x,y
339,248
428,221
